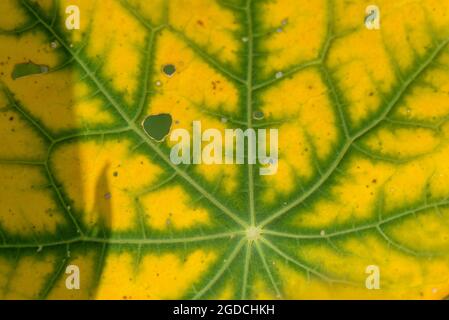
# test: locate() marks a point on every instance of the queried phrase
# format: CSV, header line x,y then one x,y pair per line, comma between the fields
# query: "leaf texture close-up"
x,y
86,175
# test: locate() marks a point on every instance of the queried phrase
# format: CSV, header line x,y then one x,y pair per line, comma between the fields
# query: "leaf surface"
x,y
363,150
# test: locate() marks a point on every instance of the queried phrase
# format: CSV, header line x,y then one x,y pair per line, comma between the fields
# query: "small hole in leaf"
x,y
169,69
258,115
158,126
27,69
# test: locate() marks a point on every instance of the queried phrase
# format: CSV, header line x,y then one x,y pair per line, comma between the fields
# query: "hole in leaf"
x,y
158,126
169,69
258,115
27,69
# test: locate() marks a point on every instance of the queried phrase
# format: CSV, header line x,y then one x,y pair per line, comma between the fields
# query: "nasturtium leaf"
x,y
362,180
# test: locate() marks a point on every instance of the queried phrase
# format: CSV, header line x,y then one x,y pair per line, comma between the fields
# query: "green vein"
x,y
249,108
123,241
20,30
246,269
25,114
400,247
301,265
138,16
52,281
10,277
221,270
286,74
360,228
146,76
381,157
99,266
91,133
63,204
208,58
22,162
268,270
230,5
336,98
407,123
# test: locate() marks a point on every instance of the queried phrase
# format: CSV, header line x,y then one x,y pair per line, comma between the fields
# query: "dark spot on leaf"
x,y
169,69
27,69
158,126
258,115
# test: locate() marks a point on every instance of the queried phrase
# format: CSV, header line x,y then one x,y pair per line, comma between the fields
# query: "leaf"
x,y
363,150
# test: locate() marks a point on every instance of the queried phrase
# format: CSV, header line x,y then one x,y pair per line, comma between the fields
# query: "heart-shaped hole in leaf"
x,y
158,126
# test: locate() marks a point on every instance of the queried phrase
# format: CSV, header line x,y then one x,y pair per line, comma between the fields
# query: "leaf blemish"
x,y
258,115
158,126
27,69
169,70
